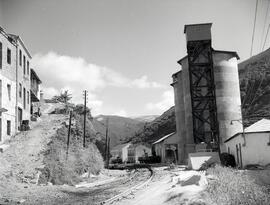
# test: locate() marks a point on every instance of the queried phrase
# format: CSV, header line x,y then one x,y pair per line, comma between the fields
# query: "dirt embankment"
x,y
38,156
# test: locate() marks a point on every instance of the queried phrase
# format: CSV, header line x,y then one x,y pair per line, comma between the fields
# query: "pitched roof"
x,y
262,125
163,138
120,146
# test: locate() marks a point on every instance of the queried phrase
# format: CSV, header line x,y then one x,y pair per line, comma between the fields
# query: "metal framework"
x,y
202,90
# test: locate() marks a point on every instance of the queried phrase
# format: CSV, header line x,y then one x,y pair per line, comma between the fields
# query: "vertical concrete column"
x,y
227,96
179,114
189,145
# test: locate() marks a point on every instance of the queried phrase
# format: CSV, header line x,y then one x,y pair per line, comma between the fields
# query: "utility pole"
x,y
108,152
69,130
106,143
84,121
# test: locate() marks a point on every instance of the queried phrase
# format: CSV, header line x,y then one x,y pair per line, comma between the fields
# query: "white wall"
x,y
140,150
256,151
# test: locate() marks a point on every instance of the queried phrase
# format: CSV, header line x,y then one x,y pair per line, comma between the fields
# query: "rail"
x,y
130,190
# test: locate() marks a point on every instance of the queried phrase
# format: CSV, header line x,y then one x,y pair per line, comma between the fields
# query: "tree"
x,y
64,97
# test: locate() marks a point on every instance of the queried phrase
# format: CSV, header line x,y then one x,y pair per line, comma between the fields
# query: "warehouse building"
x,y
167,148
251,146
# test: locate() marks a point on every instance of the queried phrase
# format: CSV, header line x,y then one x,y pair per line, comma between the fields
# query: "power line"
x,y
254,26
266,36
264,24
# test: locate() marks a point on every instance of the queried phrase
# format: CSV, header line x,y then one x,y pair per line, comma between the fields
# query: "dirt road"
x,y
169,187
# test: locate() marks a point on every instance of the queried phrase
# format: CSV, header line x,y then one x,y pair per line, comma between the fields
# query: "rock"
x,y
21,201
193,180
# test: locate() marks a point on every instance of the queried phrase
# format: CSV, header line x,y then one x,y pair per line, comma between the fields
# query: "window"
x,y
24,65
8,56
20,58
27,67
8,127
0,55
28,99
20,90
9,91
24,98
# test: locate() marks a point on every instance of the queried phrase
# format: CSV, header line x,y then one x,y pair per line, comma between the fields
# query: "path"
x,y
169,187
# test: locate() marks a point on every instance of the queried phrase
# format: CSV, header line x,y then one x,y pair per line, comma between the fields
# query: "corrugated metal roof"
x,y
262,125
163,138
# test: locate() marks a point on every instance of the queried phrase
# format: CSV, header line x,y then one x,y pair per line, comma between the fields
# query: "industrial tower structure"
x,y
202,84
207,94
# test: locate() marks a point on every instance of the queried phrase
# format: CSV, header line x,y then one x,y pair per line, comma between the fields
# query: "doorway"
x,y
20,113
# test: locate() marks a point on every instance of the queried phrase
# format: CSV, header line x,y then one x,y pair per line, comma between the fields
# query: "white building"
x,y
120,151
167,148
252,146
135,151
14,84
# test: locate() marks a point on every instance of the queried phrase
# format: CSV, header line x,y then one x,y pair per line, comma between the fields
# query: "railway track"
x,y
129,190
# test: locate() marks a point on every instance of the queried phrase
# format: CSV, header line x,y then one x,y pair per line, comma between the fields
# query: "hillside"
x,y
161,126
145,118
120,128
255,87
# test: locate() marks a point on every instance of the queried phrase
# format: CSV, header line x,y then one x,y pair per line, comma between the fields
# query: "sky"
x,y
123,52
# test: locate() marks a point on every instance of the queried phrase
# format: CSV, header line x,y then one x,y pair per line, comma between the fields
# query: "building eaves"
x,y
19,39
36,76
233,53
246,133
163,138
9,38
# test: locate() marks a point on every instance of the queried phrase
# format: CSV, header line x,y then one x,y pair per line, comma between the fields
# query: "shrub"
x,y
60,169
227,160
234,187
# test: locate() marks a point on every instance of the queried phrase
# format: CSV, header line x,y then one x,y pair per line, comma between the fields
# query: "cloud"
x,y
60,72
166,102
144,83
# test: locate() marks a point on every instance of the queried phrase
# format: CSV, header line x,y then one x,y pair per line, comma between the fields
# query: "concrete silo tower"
x,y
207,93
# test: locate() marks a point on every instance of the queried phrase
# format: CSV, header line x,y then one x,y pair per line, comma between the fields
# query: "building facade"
x,y
135,151
14,84
120,151
168,148
7,86
35,93
251,146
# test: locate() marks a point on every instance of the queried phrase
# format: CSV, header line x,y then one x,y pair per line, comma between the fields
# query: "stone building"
x,y
14,84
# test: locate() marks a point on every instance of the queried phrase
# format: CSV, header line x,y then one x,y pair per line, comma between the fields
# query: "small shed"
x,y
251,146
167,148
138,150
120,151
